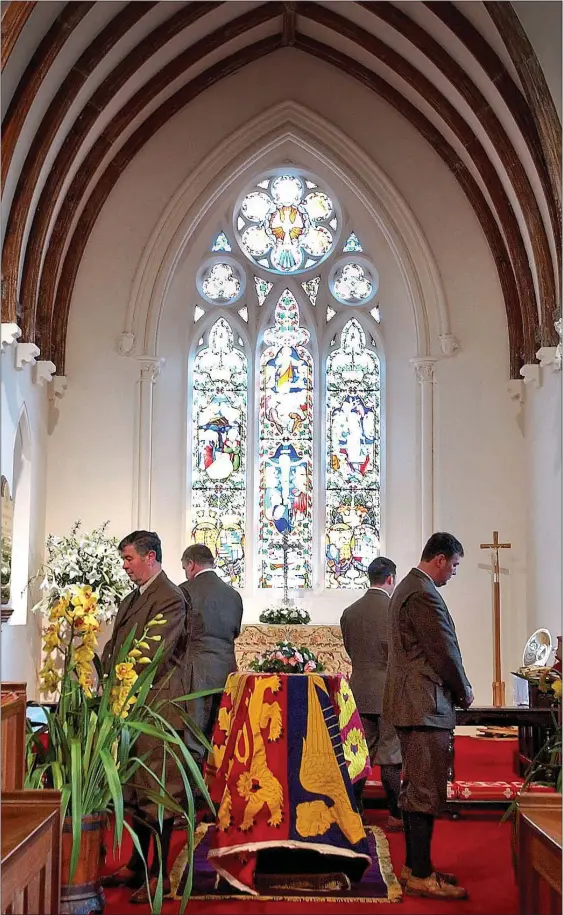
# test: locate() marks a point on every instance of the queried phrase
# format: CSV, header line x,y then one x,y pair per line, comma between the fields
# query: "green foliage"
x,y
91,753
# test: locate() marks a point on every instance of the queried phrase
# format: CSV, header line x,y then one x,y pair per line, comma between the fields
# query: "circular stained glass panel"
x,y
287,224
353,283
220,282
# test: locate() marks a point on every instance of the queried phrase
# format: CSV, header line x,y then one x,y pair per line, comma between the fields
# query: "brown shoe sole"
x,y
455,893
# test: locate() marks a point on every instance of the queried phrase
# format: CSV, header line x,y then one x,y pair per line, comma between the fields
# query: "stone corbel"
x,y
59,384
517,394
126,344
44,371
26,352
10,333
531,373
449,344
550,356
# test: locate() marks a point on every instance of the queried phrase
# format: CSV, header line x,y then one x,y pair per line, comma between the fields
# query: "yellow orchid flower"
x,y
83,654
557,687
125,671
51,639
144,661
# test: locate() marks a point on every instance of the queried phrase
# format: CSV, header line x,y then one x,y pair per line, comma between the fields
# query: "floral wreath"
x,y
286,658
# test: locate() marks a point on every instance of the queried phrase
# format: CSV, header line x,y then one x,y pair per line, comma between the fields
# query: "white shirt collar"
x,y
143,588
375,588
201,571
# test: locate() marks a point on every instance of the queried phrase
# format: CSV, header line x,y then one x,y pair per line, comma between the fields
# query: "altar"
x,y
325,641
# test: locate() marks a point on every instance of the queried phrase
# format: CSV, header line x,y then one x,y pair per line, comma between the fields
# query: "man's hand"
x,y
466,701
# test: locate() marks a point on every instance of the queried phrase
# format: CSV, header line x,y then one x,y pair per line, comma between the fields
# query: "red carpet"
x,y
476,847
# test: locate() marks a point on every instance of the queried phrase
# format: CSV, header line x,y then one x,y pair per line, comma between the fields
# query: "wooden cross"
x,y
499,688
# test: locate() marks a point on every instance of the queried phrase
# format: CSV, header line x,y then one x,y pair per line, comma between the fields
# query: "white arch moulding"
x,y
250,149
238,158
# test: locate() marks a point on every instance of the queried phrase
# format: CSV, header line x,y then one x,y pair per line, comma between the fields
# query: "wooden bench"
x,y
31,852
539,852
13,705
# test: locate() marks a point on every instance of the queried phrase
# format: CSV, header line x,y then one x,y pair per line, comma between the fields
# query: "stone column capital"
x,y
150,369
424,368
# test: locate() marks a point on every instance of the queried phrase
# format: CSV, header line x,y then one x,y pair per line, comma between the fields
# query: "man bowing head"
x,y
153,594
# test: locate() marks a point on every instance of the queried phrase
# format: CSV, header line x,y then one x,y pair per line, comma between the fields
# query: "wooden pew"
x,y
539,852
13,706
31,852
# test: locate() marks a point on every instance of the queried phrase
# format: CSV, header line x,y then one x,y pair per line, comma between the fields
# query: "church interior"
x,y
284,278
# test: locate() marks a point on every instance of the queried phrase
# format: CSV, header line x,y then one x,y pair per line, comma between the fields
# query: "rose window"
x,y
287,224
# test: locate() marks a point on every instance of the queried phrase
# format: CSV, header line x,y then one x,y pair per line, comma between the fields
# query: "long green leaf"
x,y
115,789
139,850
152,731
76,787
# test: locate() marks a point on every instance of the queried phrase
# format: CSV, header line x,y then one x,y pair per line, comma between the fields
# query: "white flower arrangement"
x,y
285,614
84,559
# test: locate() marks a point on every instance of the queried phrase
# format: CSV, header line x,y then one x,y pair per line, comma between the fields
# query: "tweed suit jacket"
x,y
216,623
171,680
135,610
425,675
364,627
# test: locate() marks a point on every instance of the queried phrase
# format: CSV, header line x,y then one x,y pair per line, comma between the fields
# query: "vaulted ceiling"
x,y
86,84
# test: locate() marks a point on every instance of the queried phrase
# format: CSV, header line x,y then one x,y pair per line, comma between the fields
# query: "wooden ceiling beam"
x,y
514,100
73,257
515,171
14,17
466,137
26,91
43,292
519,346
42,142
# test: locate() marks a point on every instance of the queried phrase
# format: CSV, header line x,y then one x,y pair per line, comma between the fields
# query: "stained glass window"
x,y
220,283
352,460
218,499
285,450
311,287
262,289
286,224
352,245
353,284
222,243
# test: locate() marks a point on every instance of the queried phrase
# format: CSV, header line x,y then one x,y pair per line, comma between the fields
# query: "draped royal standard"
x,y
218,494
286,450
352,460
285,752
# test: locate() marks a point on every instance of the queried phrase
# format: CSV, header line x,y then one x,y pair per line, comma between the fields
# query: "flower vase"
x,y
83,895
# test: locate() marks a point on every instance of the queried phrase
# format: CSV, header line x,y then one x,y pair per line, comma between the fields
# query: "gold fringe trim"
x,y
394,891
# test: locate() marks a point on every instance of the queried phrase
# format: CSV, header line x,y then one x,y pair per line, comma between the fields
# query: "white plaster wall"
x,y
478,447
22,397
543,518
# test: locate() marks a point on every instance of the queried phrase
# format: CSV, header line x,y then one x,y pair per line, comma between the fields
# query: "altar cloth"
x,y
286,750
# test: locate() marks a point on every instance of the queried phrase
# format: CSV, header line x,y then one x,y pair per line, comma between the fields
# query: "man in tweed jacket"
x,y
425,681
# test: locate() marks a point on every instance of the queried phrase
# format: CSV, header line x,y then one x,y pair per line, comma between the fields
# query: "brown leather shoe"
x,y
433,887
141,896
445,877
123,877
394,824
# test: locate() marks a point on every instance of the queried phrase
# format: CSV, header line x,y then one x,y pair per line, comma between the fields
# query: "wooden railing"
x,y
31,852
13,705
